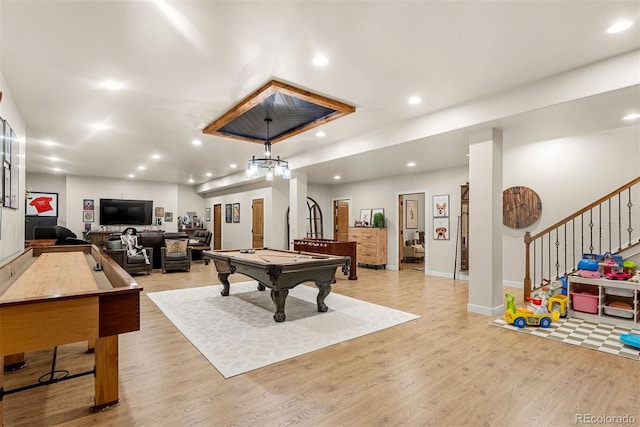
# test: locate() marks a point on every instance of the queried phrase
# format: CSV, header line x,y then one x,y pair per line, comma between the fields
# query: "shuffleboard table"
x,y
51,296
278,270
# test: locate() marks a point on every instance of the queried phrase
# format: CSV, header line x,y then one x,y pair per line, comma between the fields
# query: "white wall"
x,y
568,174
12,220
72,190
383,193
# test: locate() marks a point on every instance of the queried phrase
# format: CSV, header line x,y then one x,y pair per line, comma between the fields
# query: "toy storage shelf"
x,y
595,306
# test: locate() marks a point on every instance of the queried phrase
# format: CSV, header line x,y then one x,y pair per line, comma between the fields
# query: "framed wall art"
x,y
87,216
365,217
42,204
159,212
411,214
168,217
228,212
236,212
441,206
441,229
87,204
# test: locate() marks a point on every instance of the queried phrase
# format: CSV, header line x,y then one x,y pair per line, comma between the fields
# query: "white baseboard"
x,y
487,311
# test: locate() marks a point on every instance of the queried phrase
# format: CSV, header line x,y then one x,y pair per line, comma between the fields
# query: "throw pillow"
x,y
176,246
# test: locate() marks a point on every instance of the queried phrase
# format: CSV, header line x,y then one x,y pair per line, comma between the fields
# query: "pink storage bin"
x,y
585,302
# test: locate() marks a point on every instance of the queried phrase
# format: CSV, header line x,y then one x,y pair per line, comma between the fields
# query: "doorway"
x,y
412,225
217,227
341,220
257,223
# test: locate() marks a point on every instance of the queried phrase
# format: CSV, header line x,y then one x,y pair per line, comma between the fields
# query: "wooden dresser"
x,y
371,245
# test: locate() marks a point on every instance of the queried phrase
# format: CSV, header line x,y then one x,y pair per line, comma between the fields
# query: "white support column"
x,y
298,211
276,229
485,223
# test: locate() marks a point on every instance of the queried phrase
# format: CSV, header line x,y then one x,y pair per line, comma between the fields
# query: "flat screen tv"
x,y
126,212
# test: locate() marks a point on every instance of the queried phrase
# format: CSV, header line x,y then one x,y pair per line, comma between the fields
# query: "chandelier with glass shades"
x,y
267,165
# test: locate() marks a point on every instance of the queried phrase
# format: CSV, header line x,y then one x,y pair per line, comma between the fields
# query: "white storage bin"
x,y
619,312
619,292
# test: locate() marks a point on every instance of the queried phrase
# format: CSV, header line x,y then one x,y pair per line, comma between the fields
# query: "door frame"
x,y
427,222
333,205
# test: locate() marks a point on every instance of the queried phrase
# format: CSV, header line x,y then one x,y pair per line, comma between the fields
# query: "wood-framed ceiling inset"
x,y
292,110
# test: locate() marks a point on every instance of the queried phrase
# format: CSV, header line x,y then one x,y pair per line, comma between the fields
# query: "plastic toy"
x,y
617,275
631,339
536,314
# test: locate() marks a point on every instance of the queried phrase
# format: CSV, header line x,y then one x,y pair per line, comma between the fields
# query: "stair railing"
x,y
610,224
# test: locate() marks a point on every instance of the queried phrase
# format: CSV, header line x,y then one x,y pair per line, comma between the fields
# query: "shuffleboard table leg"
x,y
279,298
106,372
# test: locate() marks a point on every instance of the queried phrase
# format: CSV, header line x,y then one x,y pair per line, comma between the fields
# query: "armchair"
x,y
203,237
130,263
412,251
175,255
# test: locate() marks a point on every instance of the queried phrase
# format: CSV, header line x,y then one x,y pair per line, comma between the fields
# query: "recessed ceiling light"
x,y
320,61
99,126
468,155
196,142
209,174
155,156
57,169
48,142
414,100
131,175
54,159
411,164
620,26
233,166
320,134
111,85
191,180
632,116
141,168
337,177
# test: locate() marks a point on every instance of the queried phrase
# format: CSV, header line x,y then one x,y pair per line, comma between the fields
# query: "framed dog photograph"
x,y
411,214
441,229
441,206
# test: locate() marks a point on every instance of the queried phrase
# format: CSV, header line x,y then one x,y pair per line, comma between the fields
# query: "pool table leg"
x,y
224,279
279,298
324,289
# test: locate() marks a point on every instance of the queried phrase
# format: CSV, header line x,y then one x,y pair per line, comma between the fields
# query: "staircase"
x,y
610,224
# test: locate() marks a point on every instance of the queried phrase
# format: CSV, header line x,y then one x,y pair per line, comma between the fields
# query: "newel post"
x,y
527,265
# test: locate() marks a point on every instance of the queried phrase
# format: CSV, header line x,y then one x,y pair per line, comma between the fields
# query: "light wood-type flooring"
x,y
448,368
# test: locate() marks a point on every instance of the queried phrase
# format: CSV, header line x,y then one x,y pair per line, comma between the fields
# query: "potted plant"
x,y
378,220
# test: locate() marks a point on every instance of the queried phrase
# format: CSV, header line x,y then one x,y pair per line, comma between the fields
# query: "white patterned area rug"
x,y
596,336
238,334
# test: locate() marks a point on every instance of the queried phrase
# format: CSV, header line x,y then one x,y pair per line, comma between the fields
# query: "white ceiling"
x,y
183,64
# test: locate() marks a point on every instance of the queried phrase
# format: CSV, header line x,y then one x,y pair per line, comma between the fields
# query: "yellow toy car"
x,y
521,317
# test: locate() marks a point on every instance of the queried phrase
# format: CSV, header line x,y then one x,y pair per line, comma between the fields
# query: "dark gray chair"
x,y
130,263
175,255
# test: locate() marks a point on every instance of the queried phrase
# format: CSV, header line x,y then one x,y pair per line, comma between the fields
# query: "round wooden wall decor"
x,y
521,207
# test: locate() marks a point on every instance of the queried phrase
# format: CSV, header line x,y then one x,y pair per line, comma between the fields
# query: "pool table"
x,y
278,270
